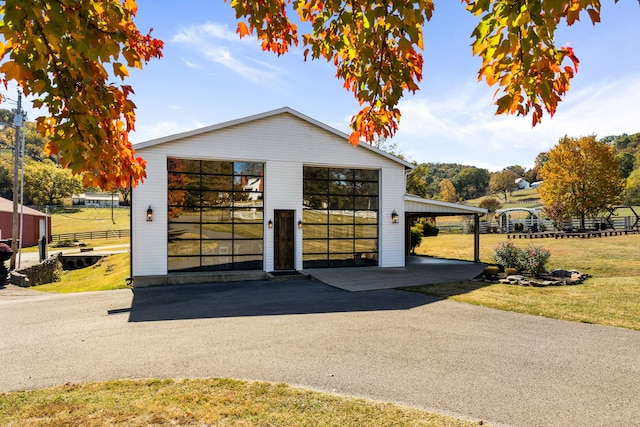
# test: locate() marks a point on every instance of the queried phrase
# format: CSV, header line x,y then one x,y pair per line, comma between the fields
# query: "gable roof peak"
x,y
267,114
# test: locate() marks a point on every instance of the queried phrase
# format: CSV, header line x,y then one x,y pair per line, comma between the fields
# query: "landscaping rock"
x,y
553,278
48,271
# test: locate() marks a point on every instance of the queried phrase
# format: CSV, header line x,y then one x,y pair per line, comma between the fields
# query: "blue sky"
x,y
208,75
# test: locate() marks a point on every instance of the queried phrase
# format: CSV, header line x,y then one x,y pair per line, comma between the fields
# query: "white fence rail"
x,y
619,223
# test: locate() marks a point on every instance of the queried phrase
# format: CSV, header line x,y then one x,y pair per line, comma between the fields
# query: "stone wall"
x,y
48,271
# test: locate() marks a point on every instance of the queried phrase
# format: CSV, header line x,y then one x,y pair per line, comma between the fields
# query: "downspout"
x,y
130,278
407,229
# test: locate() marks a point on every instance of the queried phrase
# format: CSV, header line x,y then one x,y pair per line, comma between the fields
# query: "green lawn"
x,y
80,220
107,274
529,197
211,402
611,297
74,220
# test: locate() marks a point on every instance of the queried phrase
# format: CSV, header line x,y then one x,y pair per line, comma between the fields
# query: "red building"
x,y
34,223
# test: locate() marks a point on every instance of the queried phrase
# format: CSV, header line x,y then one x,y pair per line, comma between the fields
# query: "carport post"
x,y
476,238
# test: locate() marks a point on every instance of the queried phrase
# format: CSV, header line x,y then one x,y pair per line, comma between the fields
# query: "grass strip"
x,y
109,273
611,297
219,402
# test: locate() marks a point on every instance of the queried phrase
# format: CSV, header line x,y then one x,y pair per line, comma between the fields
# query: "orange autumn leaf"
x,y
242,29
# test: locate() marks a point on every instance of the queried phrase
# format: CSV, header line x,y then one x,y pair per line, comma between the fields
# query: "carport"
x,y
417,207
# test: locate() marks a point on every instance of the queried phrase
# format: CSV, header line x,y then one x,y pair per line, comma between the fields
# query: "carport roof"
x,y
418,205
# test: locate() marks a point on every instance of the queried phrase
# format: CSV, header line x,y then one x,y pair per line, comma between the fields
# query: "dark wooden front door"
x,y
284,238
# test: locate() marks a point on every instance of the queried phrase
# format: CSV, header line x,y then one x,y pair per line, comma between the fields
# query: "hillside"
x,y
527,198
472,183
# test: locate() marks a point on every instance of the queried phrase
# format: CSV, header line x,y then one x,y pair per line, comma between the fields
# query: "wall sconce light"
x,y
394,217
299,223
149,214
270,224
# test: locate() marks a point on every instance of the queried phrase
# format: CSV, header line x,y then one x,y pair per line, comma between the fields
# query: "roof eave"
x,y
195,132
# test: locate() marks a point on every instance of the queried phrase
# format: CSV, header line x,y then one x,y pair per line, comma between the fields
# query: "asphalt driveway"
x,y
389,345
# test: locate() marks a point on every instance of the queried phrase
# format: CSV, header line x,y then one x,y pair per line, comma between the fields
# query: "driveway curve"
x,y
472,362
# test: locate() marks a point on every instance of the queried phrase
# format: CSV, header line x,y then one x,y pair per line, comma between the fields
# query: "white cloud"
x,y
193,65
461,126
205,31
218,44
162,129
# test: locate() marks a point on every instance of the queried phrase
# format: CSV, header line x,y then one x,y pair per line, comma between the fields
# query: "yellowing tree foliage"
x,y
503,182
632,188
46,183
447,191
581,178
64,51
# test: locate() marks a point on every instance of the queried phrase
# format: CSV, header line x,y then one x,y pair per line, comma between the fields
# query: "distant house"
x,y
35,223
522,183
536,184
96,199
253,186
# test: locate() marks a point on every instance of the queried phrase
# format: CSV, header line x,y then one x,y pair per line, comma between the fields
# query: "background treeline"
x,y
46,183
454,182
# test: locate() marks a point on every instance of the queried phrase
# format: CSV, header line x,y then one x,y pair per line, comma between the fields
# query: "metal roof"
x,y
283,110
7,206
415,204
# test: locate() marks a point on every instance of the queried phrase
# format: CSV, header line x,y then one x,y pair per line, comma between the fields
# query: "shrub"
x,y
416,236
532,259
429,229
507,255
5,254
421,229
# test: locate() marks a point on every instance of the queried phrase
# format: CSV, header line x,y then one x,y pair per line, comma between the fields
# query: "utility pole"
x,y
17,124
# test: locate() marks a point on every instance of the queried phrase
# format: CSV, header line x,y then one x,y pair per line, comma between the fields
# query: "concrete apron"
x,y
419,270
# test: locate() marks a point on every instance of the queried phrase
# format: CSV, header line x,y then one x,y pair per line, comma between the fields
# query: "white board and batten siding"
x,y
282,190
285,141
149,239
391,237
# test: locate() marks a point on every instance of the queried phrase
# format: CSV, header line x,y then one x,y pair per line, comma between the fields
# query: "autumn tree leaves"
x,y
581,178
376,48
515,41
65,53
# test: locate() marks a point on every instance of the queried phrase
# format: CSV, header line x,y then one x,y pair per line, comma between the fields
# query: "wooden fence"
x,y
90,235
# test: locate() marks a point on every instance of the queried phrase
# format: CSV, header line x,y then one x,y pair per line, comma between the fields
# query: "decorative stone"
x,y
553,278
48,271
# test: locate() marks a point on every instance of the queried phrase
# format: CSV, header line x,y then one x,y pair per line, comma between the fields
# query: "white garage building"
x,y
276,191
